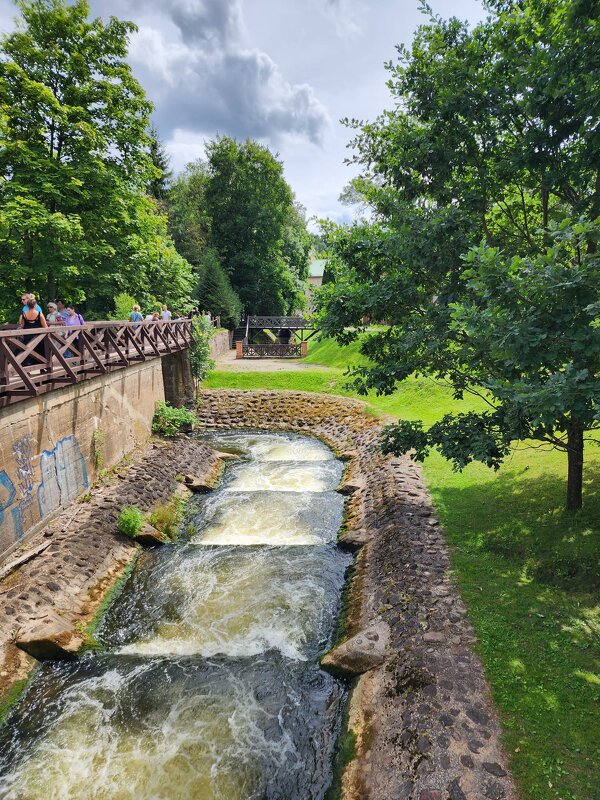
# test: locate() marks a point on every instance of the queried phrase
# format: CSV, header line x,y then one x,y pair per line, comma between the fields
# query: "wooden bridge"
x,y
287,334
33,362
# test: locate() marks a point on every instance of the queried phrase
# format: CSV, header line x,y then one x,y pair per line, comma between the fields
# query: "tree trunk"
x,y
27,250
51,286
575,461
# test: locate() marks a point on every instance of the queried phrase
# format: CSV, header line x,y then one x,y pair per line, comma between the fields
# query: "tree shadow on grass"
x,y
523,519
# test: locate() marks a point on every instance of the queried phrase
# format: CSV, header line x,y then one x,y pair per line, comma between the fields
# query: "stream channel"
x,y
207,685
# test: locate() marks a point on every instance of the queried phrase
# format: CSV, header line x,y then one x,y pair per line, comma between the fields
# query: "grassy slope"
x,y
529,573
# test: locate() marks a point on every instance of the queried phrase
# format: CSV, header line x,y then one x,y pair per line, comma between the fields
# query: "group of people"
x,y
165,315
32,317
58,314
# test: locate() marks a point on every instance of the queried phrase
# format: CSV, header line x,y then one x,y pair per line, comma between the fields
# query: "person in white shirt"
x,y
165,314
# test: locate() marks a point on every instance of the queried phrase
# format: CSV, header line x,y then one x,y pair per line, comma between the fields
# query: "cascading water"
x,y
208,687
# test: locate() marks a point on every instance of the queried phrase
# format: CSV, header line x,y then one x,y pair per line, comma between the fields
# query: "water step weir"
x,y
207,685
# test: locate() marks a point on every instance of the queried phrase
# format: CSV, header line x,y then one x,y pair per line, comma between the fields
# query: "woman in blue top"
x,y
136,315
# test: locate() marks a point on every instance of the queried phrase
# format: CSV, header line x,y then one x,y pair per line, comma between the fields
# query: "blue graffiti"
x,y
18,523
7,493
63,475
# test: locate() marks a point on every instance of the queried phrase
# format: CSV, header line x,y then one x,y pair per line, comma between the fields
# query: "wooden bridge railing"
x,y
36,361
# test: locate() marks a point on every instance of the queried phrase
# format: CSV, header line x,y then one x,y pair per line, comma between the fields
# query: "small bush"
x,y
168,421
131,520
200,361
166,517
124,304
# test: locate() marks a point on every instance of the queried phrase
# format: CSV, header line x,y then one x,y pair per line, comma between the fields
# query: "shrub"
x,y
131,520
168,421
166,517
124,304
200,361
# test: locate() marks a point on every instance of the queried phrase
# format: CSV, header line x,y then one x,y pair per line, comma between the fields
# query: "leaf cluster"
x,y
483,183
168,421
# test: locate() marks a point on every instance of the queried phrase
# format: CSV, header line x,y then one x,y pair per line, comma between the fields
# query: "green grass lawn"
x,y
529,571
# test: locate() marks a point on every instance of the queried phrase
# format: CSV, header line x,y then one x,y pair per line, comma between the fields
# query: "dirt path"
x,y
228,363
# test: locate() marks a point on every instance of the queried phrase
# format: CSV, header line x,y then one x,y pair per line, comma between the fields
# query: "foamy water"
x,y
270,446
284,476
210,687
172,731
232,601
273,518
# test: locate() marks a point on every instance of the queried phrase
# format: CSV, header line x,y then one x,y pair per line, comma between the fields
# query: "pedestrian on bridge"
x,y
29,320
136,314
24,298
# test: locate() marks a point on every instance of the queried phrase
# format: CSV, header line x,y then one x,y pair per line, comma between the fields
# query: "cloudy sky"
x,y
280,71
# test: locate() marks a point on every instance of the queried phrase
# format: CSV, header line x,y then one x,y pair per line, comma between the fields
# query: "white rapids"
x,y
209,686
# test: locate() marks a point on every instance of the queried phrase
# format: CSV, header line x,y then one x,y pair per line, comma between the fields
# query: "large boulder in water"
x,y
148,536
50,638
362,652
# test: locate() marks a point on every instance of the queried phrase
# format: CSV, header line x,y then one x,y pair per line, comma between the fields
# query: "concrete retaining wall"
x,y
51,447
219,344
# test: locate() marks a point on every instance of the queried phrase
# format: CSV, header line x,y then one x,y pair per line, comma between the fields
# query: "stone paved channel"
x,y
420,706
424,723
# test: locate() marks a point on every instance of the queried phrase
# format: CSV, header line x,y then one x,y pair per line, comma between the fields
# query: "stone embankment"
x,y
47,600
420,707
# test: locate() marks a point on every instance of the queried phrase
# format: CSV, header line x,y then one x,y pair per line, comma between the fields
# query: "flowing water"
x,y
208,685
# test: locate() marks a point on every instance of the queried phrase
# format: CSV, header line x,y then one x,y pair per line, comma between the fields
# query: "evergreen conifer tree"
x,y
215,292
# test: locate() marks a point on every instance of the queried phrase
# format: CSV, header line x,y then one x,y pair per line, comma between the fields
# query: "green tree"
x,y
215,293
75,163
491,151
189,223
124,304
159,184
249,204
295,251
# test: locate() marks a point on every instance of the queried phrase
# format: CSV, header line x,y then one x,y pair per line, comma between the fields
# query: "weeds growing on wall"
x,y
98,439
131,520
168,421
166,517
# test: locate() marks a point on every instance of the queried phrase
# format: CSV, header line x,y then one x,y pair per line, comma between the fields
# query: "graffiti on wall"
x,y
7,498
63,475
23,450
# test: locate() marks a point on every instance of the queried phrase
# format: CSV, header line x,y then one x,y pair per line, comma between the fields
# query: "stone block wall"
x,y
51,447
219,344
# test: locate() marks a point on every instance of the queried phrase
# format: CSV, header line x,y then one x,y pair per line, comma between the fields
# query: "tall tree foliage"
x,y
295,251
189,223
75,164
158,187
249,204
484,184
214,291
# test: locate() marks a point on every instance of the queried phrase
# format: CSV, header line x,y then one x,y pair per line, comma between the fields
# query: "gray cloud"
x,y
344,14
202,77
